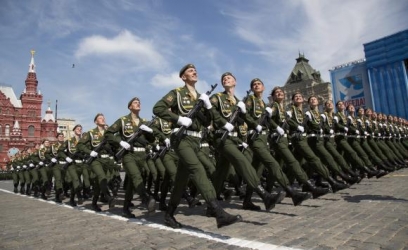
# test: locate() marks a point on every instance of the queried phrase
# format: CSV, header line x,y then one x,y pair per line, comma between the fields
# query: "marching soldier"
x,y
134,159
175,107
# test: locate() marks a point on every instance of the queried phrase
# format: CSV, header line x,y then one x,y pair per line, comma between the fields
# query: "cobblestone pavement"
x,y
370,215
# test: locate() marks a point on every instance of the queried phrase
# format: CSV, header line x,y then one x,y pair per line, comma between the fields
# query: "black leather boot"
x,y
28,189
370,173
192,202
316,191
223,218
269,199
247,204
58,196
320,183
355,175
22,188
149,202
15,188
72,201
126,210
386,166
335,185
297,197
381,173
169,219
345,177
79,196
95,206
104,190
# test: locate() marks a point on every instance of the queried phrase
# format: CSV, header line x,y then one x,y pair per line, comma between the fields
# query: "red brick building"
x,y
21,124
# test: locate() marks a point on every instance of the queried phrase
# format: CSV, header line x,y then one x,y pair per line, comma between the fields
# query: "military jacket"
x,y
255,107
91,140
296,119
180,102
352,125
162,129
223,107
314,123
278,117
123,128
328,122
340,122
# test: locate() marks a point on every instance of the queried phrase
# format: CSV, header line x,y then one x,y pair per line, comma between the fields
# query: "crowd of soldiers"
x,y
210,144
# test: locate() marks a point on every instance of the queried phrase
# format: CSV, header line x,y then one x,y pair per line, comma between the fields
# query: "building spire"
x,y
31,68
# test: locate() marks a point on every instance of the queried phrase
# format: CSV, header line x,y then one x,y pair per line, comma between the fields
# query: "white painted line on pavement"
x,y
209,236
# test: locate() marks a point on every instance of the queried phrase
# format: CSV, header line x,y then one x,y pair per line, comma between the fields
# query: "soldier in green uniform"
x,y
34,171
280,143
345,143
175,107
14,173
74,166
102,160
314,131
258,140
329,140
26,172
44,171
297,124
134,159
224,105
56,168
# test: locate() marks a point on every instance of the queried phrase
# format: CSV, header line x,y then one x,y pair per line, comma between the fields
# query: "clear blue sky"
x,y
124,48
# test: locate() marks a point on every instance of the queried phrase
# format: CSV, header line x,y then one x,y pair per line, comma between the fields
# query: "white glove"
x,y
346,129
280,130
258,128
204,97
269,110
146,128
31,165
11,168
379,134
244,145
228,126
308,115
301,129
124,145
24,166
93,154
321,131
331,131
157,147
323,116
365,133
184,121
53,160
357,132
242,107
18,167
68,159
41,163
167,142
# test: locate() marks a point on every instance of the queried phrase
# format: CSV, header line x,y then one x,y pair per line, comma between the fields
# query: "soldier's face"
x,y
329,105
257,87
278,95
313,101
368,112
374,116
360,111
61,137
340,106
228,81
298,99
351,109
78,130
135,106
46,144
100,121
190,75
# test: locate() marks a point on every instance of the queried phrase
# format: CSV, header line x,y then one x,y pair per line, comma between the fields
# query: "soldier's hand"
x,y
68,159
331,131
346,129
31,165
93,154
357,132
184,121
228,126
242,107
167,142
244,145
258,128
204,97
280,130
24,166
41,163
146,128
301,129
125,145
53,160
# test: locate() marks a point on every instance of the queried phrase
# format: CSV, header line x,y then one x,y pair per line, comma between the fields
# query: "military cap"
x,y
97,115
132,100
187,66
78,125
256,79
59,133
227,74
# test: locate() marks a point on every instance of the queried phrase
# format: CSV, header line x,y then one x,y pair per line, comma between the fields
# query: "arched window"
x,y
7,131
31,130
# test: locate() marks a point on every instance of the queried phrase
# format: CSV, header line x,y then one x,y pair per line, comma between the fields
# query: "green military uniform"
x,y
45,171
134,161
99,165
